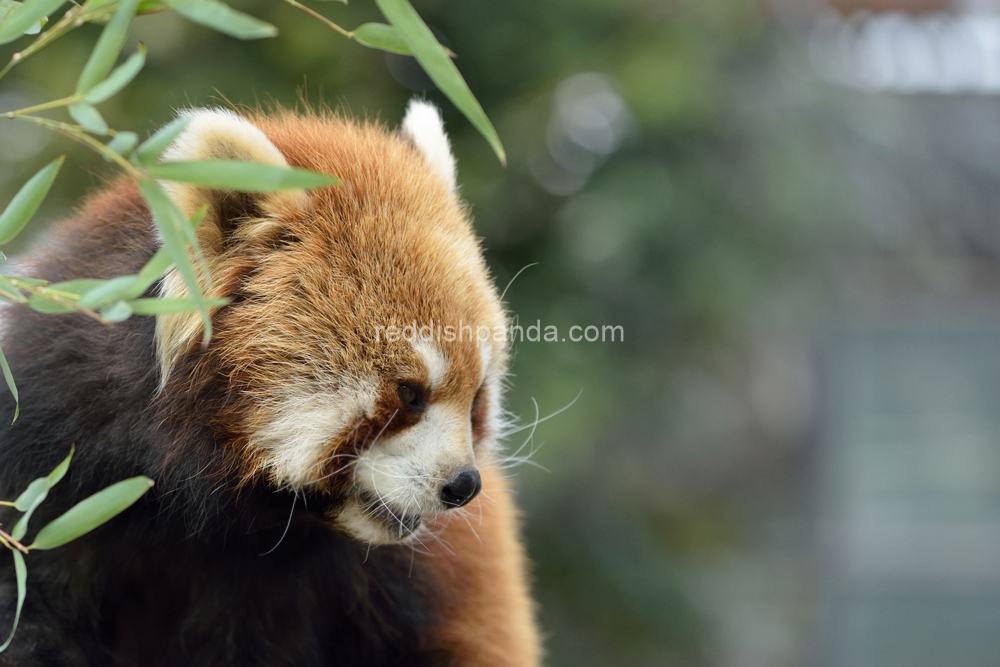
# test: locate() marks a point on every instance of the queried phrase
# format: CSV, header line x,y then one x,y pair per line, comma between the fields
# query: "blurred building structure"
x,y
904,502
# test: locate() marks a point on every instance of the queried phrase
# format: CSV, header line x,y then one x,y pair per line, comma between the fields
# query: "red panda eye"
x,y
412,397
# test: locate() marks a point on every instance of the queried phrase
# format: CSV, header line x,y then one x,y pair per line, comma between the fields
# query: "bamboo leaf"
x,y
119,78
59,471
94,293
35,494
434,59
381,36
223,18
88,116
108,291
158,265
9,293
9,377
152,271
27,200
177,236
23,17
54,300
21,576
150,7
108,47
123,143
151,149
37,27
170,305
92,512
117,312
241,176
32,282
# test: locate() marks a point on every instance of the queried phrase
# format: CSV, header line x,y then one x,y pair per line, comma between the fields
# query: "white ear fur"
x,y
217,134
424,127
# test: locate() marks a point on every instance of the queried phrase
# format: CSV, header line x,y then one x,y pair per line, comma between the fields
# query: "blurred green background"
x,y
792,458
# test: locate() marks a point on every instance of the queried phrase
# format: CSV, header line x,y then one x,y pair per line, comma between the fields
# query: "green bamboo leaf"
x,y
122,143
9,377
21,576
117,312
27,200
118,79
53,300
157,266
32,497
151,149
37,27
108,292
150,7
59,471
24,16
35,494
434,59
381,36
170,305
154,268
242,176
177,234
108,47
31,282
87,116
91,5
223,18
9,293
92,512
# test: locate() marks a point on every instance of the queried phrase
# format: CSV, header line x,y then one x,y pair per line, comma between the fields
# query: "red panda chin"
x,y
372,521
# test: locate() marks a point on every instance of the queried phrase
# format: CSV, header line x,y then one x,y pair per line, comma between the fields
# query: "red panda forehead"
x,y
370,161
390,246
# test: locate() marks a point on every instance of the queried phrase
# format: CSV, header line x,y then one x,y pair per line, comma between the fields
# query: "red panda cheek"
x,y
297,425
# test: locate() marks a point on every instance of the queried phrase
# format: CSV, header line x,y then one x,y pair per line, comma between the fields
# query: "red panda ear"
x,y
220,134
234,219
423,126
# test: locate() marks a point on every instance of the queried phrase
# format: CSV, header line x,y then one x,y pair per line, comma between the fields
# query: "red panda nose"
x,y
462,488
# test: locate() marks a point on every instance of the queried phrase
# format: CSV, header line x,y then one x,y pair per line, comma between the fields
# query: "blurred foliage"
x,y
701,229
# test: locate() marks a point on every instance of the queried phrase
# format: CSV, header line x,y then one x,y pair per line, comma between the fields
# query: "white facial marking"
x,y
434,360
424,127
303,425
354,520
485,358
494,414
407,470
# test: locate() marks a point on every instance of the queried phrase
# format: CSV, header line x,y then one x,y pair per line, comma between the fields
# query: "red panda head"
x,y
354,354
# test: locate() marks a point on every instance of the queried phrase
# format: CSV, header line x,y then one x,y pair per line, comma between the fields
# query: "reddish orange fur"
x,y
480,565
421,262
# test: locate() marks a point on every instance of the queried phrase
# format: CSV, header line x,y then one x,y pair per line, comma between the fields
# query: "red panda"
x,y
326,494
